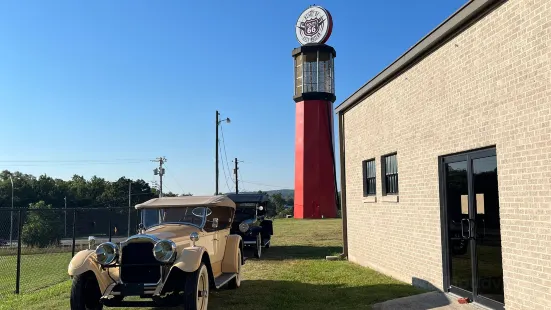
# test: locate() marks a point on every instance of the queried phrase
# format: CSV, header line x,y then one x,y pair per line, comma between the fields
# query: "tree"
x,y
43,227
278,203
96,194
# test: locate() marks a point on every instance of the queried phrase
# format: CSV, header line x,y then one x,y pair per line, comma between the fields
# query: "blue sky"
x,y
102,87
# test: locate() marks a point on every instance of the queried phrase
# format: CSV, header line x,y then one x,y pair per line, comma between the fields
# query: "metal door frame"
x,y
467,156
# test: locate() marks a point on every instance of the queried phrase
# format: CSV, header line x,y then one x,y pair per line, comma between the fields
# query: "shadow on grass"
x,y
297,252
268,294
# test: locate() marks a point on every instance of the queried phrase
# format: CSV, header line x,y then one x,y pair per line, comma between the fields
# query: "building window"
x,y
369,177
390,174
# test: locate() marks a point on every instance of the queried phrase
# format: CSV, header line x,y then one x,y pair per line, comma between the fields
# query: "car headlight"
x,y
194,237
243,227
164,251
91,242
107,253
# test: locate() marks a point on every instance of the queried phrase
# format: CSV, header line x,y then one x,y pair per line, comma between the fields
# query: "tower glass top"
x,y
314,71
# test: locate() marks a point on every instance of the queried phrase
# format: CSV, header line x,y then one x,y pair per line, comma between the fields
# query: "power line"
x,y
71,161
176,181
226,177
263,184
243,189
68,164
168,189
225,155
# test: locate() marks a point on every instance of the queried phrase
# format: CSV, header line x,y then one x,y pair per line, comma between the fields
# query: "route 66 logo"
x,y
314,25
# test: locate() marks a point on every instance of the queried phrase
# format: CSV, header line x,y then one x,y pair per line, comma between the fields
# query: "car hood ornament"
x,y
141,229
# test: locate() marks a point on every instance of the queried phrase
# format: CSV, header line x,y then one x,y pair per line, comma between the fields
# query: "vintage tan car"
x,y
183,249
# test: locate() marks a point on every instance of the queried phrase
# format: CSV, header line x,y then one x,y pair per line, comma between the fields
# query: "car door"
x,y
223,217
222,232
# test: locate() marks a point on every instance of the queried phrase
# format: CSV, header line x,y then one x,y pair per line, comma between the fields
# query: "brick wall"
x,y
490,85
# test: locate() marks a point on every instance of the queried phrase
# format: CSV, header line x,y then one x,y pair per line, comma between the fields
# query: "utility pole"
x,y
129,204
65,200
236,172
218,122
236,177
160,171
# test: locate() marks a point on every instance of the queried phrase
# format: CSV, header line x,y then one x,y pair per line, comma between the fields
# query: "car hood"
x,y
178,233
171,231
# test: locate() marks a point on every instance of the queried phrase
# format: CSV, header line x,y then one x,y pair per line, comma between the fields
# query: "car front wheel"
x,y
196,291
258,248
85,293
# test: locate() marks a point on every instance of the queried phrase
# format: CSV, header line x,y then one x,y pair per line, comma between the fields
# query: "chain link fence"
x,y
36,245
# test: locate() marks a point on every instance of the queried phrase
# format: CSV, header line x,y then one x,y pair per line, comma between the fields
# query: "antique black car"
x,y
250,222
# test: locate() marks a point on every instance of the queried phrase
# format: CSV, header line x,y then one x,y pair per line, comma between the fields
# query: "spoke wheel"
x,y
197,289
258,249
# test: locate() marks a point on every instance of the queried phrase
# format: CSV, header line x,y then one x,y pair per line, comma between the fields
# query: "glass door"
x,y
459,243
489,266
473,264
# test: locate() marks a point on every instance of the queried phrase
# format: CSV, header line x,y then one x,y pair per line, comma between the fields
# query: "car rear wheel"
x,y
196,292
236,282
258,248
85,293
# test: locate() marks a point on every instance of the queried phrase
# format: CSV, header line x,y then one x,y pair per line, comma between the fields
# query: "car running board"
x,y
135,303
223,279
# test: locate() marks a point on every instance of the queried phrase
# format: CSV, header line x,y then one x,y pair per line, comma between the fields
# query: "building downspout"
x,y
344,253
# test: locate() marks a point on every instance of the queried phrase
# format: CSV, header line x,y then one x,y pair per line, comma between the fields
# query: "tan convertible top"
x,y
186,201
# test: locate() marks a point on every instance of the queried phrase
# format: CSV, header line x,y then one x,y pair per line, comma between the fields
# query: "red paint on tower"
x,y
314,165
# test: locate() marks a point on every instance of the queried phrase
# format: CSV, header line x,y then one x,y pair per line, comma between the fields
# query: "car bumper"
x,y
144,290
132,289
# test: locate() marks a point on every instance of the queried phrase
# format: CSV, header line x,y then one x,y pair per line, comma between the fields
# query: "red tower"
x,y
314,94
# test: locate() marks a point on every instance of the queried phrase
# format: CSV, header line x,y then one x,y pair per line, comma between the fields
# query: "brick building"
x,y
446,159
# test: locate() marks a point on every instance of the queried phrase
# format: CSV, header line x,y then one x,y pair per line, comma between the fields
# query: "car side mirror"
x,y
215,223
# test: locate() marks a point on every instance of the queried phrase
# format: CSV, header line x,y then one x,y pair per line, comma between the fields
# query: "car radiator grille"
x,y
139,253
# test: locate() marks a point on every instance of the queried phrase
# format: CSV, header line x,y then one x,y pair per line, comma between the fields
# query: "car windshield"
x,y
187,215
245,211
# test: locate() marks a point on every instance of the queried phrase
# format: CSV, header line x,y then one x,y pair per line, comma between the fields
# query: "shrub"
x,y
42,226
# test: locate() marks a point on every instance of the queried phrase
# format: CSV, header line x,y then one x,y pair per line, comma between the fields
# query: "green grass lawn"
x,y
38,271
292,274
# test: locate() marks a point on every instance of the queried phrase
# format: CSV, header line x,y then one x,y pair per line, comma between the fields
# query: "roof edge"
x,y
460,20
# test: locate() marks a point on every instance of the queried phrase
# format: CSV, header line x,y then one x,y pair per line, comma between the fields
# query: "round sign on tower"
x,y
314,26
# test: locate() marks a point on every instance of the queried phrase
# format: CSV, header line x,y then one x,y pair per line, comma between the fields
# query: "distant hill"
x,y
286,193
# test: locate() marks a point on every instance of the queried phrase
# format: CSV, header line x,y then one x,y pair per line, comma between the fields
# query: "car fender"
x,y
256,229
85,261
190,260
267,226
230,263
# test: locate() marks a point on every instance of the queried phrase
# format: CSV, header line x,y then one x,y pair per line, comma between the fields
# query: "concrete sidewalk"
x,y
431,300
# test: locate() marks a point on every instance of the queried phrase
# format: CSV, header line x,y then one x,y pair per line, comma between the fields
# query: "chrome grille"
x,y
138,265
